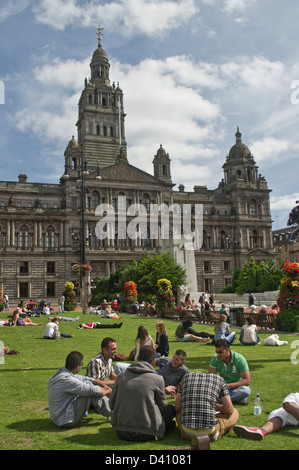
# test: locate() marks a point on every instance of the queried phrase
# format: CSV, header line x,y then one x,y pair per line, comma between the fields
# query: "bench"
x,y
263,320
171,313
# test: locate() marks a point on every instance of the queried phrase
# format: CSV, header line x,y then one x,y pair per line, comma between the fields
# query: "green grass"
x,y
24,415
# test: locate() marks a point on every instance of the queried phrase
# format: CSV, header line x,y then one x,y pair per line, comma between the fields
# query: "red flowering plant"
x,y
289,287
130,292
81,269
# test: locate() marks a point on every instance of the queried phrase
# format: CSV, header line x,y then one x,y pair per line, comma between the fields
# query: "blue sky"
x,y
191,72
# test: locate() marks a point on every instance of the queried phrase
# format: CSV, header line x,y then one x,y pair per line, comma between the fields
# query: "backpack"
x,y
56,334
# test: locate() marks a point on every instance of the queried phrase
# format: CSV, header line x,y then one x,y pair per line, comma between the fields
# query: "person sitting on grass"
x,y
222,330
287,415
171,369
17,321
233,368
109,314
100,367
70,395
138,401
52,331
162,345
248,335
203,406
185,333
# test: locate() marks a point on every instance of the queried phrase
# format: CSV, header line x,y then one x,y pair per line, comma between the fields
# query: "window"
x,y
74,164
24,267
23,237
226,265
50,289
207,266
74,204
208,285
50,238
121,202
24,289
146,202
252,209
50,267
95,200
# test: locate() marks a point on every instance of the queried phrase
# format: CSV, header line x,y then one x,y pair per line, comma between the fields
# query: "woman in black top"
x,y
162,346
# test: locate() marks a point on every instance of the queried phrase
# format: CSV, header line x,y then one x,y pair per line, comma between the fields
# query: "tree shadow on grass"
x,y
45,424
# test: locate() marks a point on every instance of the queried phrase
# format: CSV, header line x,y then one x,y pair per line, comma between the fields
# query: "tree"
x,y
145,273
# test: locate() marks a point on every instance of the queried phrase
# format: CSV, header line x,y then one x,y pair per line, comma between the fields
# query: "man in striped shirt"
x,y
100,367
203,406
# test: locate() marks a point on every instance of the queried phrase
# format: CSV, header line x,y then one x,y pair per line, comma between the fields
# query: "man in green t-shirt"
x,y
233,368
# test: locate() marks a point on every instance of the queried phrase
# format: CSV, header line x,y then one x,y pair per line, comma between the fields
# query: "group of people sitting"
x,y
134,399
205,302
105,309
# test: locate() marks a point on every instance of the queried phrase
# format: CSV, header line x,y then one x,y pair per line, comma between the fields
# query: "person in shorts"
x,y
287,415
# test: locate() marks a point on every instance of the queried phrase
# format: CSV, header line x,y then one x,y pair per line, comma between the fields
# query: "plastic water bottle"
x,y
257,410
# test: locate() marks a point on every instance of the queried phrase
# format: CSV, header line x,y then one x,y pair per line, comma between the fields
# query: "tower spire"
x,y
100,35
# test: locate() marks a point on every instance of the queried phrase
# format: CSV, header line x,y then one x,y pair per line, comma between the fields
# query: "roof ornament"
x,y
100,35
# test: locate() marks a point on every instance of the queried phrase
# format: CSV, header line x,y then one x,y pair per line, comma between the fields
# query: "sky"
x,y
191,71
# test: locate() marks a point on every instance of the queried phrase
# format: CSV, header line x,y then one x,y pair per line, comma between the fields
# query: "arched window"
x,y
95,199
98,130
23,237
252,208
50,237
74,163
254,239
146,201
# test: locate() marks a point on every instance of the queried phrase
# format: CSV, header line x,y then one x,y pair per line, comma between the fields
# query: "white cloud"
x,y
232,6
12,7
285,202
149,17
269,149
254,72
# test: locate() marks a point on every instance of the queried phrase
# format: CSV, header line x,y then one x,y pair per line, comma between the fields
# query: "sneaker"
x,y
244,401
257,434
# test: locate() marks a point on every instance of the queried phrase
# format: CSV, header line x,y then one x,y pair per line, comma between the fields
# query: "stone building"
x,y
286,245
43,229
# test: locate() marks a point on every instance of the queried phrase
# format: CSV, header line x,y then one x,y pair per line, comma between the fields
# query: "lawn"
x,y
24,415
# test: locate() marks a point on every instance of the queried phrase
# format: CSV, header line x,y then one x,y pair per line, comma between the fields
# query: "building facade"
x,y
46,228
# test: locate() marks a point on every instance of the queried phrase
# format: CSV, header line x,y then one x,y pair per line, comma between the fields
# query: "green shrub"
x,y
288,320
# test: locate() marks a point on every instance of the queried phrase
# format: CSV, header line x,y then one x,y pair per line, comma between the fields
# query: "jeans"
x,y
239,393
230,338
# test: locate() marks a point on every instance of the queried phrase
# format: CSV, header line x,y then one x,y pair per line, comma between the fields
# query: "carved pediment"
x,y
122,171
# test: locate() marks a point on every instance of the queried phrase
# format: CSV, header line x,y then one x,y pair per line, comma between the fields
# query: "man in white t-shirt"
x,y
50,328
287,415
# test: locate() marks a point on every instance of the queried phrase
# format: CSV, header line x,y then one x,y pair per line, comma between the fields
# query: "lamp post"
x,y
234,242
83,172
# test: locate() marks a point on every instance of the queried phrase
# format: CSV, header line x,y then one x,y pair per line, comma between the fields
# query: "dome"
x,y
73,143
239,150
161,153
99,54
